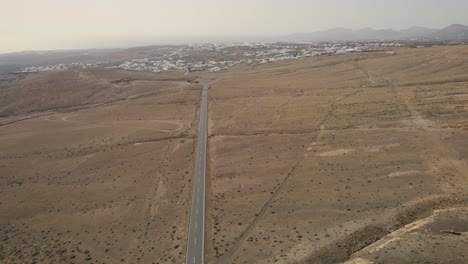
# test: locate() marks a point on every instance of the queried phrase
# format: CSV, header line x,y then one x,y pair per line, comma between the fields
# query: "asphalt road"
x,y
196,235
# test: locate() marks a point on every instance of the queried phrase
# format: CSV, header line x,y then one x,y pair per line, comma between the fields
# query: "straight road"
x,y
196,235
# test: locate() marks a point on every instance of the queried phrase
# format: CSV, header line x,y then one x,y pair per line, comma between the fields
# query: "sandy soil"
x,y
82,88
306,155
439,238
359,158
103,184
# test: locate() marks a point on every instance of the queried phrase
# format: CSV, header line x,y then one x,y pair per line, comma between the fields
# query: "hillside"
x,y
65,89
452,32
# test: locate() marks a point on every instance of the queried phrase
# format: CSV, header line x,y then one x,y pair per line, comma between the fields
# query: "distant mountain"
x,y
53,56
452,32
414,33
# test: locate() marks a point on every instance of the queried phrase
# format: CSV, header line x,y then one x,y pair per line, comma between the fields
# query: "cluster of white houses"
x,y
186,58
57,67
166,64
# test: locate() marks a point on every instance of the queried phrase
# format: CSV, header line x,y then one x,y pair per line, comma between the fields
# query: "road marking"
x,y
195,241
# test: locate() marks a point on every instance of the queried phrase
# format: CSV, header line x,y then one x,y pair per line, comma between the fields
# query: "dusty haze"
x,y
55,24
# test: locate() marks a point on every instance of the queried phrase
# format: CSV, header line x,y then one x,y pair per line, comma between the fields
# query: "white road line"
x,y
194,250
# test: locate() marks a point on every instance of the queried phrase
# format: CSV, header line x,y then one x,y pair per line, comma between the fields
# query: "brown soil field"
x,y
438,238
105,183
76,88
314,159
360,158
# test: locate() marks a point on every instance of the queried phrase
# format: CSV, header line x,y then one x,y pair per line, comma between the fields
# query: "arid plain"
x,y
359,158
311,160
106,179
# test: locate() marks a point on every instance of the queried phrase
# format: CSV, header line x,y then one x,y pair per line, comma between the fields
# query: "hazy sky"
x,y
64,24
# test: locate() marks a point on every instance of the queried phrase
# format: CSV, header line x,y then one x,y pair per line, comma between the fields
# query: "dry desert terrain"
x,y
360,158
312,160
101,178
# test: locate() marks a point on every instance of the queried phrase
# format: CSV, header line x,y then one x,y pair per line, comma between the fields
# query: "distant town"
x,y
188,58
